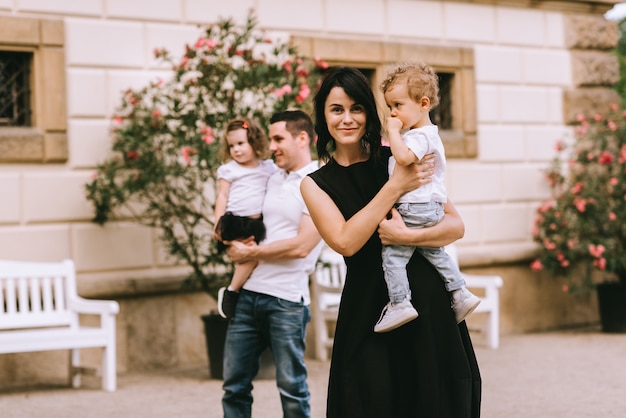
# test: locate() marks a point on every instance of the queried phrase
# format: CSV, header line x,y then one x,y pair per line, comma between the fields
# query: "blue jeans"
x,y
396,257
263,321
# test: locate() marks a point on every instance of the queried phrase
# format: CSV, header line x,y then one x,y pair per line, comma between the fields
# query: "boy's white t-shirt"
x,y
422,141
247,186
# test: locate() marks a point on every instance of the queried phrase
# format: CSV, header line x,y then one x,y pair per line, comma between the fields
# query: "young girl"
x,y
242,181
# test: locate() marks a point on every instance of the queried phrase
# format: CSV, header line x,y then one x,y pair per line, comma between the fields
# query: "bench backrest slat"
x,y
36,294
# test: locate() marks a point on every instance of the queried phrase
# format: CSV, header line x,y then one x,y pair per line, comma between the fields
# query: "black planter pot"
x,y
215,331
612,306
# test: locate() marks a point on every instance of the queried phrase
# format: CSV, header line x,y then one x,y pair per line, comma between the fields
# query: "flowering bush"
x,y
166,152
581,231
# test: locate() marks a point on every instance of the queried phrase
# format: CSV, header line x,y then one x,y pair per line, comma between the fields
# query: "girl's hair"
x,y
421,81
356,86
256,138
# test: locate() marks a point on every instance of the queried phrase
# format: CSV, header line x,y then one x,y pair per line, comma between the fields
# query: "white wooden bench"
x,y
327,283
40,312
490,300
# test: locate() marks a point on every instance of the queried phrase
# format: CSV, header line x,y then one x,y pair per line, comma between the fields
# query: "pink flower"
x,y
132,155
321,64
303,93
117,120
207,135
565,288
186,153
577,188
536,265
613,181
614,107
559,146
612,126
302,71
605,158
286,89
565,263
546,206
287,66
612,216
597,117
580,117
596,250
581,204
549,244
600,263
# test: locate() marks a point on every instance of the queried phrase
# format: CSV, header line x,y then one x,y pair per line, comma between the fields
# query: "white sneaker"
x,y
395,315
463,303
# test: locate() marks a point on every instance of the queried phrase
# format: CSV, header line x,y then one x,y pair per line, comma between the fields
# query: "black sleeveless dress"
x,y
426,368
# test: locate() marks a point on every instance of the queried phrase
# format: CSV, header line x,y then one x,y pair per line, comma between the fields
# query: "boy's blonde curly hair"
x,y
420,78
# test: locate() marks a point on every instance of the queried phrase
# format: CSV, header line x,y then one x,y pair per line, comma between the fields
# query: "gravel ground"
x,y
571,374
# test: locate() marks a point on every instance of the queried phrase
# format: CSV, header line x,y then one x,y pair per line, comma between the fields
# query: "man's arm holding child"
x,y
297,247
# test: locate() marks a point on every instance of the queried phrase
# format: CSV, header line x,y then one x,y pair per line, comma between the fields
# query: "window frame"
x,y
460,141
45,141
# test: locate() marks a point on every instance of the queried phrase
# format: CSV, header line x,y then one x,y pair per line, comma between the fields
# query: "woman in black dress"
x,y
426,368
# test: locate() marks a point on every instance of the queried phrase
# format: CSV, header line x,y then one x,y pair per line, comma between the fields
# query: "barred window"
x,y
15,89
442,114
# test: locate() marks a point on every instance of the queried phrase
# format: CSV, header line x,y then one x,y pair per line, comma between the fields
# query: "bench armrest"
x,y
91,306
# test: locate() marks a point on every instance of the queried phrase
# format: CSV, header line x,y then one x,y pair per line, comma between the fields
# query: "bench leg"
x,y
109,375
493,328
75,371
109,363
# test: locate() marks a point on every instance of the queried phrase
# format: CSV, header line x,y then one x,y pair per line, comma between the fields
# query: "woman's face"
x,y
345,118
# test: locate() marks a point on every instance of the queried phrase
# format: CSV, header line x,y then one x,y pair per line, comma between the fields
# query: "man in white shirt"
x,y
273,307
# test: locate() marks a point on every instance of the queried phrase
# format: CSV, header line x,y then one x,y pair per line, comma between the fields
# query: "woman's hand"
x,y
451,228
391,229
414,175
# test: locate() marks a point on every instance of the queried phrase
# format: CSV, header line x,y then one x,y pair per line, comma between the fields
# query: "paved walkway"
x,y
550,375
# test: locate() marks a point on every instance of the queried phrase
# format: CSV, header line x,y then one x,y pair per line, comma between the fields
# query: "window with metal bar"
x,y
442,114
15,90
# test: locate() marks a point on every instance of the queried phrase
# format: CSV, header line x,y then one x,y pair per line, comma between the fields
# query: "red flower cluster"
x,y
577,230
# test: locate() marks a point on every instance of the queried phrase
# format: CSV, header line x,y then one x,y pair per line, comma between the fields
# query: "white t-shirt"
x,y
247,186
422,141
283,210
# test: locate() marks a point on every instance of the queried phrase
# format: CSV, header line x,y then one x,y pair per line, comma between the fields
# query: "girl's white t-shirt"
x,y
247,186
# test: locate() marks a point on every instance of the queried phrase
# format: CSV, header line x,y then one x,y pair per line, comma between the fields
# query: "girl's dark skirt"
x,y
232,227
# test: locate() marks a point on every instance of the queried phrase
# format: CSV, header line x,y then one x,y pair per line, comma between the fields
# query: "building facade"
x,y
517,74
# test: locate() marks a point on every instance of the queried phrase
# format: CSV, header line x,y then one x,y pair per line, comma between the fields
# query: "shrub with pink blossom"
x,y
581,230
165,135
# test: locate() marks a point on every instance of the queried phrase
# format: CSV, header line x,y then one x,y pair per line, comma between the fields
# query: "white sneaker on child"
x,y
463,303
395,315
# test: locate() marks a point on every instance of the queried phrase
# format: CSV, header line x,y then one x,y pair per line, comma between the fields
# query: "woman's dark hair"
x,y
354,83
